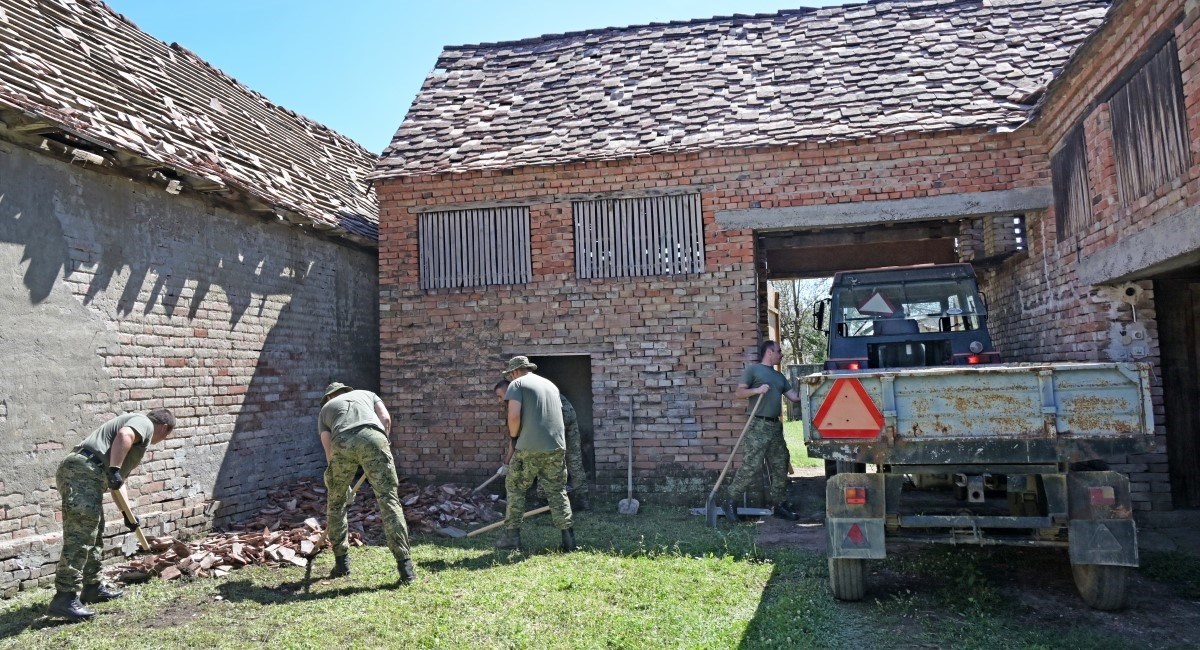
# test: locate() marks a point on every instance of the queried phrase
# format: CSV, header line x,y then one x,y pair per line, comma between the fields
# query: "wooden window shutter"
x,y
472,248
658,235
1072,196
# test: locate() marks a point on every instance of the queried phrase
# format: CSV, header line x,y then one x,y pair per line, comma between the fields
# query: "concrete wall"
x,y
116,296
677,343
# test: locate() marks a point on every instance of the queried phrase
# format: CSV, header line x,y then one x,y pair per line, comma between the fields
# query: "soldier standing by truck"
x,y
764,438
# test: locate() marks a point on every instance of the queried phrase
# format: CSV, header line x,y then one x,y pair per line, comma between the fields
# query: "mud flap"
x,y
855,530
1101,528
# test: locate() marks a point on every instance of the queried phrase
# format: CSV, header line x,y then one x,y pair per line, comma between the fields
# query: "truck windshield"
x,y
908,308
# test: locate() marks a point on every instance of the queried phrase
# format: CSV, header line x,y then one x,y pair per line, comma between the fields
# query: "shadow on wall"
x,y
244,323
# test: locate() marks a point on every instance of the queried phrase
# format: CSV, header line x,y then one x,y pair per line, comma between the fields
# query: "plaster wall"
x,y
116,296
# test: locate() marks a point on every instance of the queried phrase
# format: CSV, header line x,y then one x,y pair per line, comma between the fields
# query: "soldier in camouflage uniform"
x,y
101,462
354,428
535,427
576,473
764,438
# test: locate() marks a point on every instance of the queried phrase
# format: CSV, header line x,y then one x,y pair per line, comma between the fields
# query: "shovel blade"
x,y
710,513
627,506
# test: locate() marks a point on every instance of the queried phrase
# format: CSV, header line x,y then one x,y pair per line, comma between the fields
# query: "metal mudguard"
x,y
856,530
1104,532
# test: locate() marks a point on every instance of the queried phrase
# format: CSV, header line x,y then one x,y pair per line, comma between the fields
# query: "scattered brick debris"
x,y
289,530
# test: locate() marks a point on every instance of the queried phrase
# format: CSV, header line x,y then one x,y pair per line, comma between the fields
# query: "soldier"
x,y
102,461
354,427
536,430
575,471
764,438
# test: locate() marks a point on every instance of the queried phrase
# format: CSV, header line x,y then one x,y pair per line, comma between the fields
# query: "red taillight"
x,y
1102,496
973,359
853,365
856,496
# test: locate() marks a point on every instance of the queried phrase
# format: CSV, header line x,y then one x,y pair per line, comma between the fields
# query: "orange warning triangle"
x,y
848,412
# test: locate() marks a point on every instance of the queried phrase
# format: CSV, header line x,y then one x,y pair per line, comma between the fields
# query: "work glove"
x,y
503,470
133,525
114,478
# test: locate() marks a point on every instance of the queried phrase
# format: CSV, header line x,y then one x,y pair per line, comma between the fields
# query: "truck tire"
x,y
1102,587
846,578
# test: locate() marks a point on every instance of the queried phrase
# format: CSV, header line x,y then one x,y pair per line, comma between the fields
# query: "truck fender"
x,y
1101,529
856,530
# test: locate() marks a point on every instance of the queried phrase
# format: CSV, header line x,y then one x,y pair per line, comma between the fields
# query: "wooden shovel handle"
x,y
487,482
118,496
712,495
494,525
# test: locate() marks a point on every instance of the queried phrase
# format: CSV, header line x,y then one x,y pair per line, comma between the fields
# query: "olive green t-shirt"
x,y
757,374
542,427
100,440
350,411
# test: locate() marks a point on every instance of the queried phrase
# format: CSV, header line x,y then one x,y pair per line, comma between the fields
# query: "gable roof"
x,y
827,74
83,78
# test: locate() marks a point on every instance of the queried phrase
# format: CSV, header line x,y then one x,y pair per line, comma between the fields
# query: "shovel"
x,y
710,506
131,521
629,505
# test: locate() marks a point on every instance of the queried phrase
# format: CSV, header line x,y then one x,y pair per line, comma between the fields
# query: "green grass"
x,y
1180,571
793,433
659,579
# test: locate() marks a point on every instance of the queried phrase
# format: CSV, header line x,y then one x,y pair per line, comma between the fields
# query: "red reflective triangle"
x,y
856,536
848,412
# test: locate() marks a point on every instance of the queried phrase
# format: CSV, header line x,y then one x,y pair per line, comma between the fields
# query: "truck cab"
x,y
905,317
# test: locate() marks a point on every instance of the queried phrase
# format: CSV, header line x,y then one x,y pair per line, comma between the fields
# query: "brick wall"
x,y
679,343
117,296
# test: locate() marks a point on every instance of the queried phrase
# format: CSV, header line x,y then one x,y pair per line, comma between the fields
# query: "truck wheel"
x,y
1102,587
846,578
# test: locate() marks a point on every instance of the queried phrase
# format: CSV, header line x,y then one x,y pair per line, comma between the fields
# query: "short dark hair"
x,y
503,383
764,346
162,416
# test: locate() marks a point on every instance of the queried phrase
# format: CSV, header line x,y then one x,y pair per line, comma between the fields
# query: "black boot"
x,y
99,593
568,540
583,503
408,572
785,511
730,509
341,566
509,540
65,604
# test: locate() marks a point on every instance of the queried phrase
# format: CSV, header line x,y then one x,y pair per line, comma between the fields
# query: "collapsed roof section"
x,y
806,75
79,80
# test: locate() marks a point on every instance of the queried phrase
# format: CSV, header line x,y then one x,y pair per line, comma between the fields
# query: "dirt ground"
x,y
1037,580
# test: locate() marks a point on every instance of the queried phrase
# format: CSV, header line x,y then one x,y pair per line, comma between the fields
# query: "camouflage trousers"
x,y
764,441
579,482
548,468
82,485
369,448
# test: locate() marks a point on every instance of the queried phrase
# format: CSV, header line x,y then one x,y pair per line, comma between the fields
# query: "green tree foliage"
x,y
802,343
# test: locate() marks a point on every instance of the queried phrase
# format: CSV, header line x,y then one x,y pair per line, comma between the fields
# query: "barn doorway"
x,y
573,376
1177,302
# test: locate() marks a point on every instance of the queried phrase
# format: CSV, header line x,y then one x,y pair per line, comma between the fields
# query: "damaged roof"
x,y
89,84
803,75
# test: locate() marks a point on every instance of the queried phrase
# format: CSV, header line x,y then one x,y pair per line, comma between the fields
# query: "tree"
x,y
801,342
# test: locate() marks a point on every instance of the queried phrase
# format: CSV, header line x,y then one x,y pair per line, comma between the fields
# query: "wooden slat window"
x,y
1069,174
1150,138
618,238
473,248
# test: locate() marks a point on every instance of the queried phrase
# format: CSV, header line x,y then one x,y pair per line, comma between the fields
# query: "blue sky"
x,y
356,65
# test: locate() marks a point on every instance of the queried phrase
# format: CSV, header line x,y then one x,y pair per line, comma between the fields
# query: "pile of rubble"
x,y
288,530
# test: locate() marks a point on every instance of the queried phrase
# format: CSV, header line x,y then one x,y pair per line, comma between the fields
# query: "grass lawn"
x,y
793,433
659,579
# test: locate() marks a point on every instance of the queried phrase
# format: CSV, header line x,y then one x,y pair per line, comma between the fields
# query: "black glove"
x,y
133,525
114,478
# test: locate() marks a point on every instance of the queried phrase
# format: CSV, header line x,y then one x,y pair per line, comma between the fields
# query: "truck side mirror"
x,y
819,316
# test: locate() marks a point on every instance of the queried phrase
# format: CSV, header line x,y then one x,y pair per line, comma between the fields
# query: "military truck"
x,y
967,450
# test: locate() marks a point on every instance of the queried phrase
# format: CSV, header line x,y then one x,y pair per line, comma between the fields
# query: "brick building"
x,y
612,203
170,238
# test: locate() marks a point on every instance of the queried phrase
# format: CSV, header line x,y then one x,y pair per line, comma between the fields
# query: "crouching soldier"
x,y
354,427
101,462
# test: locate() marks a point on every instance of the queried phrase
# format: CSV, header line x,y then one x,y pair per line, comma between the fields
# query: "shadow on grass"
x,y
29,617
288,592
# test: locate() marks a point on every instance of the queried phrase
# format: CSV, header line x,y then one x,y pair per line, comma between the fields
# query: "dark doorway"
x,y
573,376
1178,310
